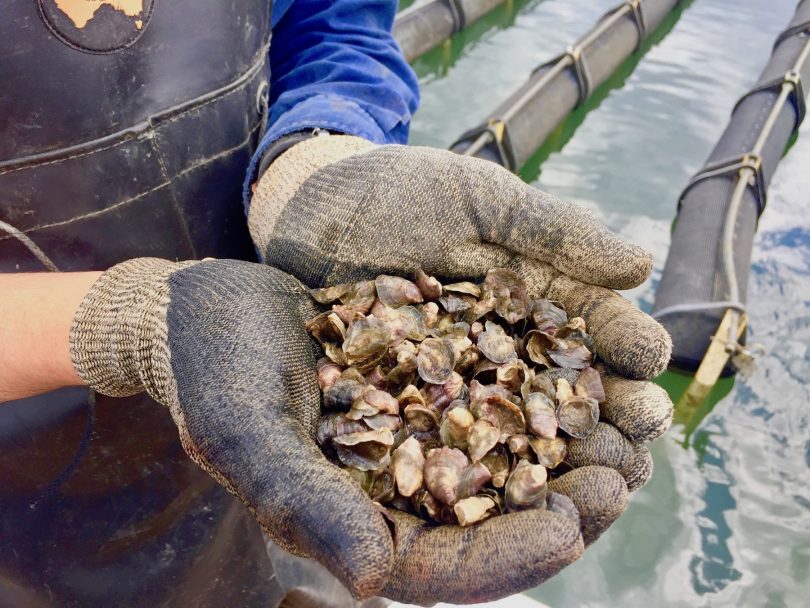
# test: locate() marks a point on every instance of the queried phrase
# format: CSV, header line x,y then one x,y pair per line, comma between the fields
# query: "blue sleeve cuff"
x,y
321,111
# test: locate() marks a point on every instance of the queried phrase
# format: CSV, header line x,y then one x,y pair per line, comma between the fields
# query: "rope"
x,y
30,245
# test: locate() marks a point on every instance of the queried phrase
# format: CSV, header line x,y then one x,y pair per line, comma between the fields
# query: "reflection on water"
x,y
725,521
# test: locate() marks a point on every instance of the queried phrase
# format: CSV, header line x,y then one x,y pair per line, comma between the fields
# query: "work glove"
x,y
334,209
222,344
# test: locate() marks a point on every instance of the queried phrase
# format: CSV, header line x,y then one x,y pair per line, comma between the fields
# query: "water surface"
x,y
725,520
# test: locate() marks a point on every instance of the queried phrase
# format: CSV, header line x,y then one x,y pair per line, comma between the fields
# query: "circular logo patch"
x,y
97,26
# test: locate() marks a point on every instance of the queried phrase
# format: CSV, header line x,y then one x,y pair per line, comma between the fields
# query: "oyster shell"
x,y
428,286
382,487
334,424
366,451
481,438
443,469
464,287
578,416
503,414
550,452
495,344
455,427
519,446
326,327
372,401
526,487
328,373
472,480
435,360
497,463
589,384
396,291
474,509
512,302
541,415
547,317
348,387
407,464
366,339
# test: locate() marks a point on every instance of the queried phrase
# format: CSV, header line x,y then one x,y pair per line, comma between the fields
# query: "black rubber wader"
x,y
124,135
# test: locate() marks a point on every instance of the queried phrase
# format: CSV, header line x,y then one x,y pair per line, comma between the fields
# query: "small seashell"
x,y
519,446
357,300
537,345
455,427
334,424
348,387
436,360
443,469
439,396
481,438
526,487
512,374
328,373
550,452
363,478
479,309
426,505
497,463
366,338
574,326
564,391
421,418
404,322
335,353
428,286
396,291
476,329
454,303
464,287
547,317
589,384
540,383
431,312
472,480
383,421
570,355
509,290
326,327
467,360
474,509
495,345
367,451
407,464
504,414
578,416
376,378
541,415
372,401
382,487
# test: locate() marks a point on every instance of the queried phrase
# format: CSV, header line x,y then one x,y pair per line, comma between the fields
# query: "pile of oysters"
x,y
453,402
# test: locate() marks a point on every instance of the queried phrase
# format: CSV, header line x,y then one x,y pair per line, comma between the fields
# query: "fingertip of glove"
x,y
641,410
638,347
629,270
600,495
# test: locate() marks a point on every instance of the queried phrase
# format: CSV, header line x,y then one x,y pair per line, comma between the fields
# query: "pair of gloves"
x,y
222,344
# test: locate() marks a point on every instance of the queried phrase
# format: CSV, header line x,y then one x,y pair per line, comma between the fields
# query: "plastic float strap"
x,y
458,14
496,127
581,72
730,167
799,28
792,78
637,16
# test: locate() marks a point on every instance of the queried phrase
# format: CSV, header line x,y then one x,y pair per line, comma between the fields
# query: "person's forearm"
x,y
36,311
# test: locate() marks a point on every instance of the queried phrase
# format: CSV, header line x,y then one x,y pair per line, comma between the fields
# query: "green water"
x,y
725,520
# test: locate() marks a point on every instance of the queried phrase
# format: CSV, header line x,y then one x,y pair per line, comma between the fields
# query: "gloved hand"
x,y
222,344
337,208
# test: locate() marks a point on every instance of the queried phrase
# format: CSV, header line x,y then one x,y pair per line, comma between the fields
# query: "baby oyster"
x,y
407,463
366,339
429,286
512,302
578,416
443,469
550,452
482,437
436,360
474,509
396,291
541,415
526,487
589,384
455,427
495,345
366,451
472,480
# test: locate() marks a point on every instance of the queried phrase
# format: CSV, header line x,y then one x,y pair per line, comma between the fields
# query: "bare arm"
x,y
36,311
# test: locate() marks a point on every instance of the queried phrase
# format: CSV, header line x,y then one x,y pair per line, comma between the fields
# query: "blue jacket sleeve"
x,y
335,65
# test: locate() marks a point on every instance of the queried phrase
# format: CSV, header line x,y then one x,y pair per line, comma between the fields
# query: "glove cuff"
x,y
288,173
118,336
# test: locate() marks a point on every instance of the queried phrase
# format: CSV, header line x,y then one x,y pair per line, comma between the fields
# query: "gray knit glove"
x,y
338,208
223,345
